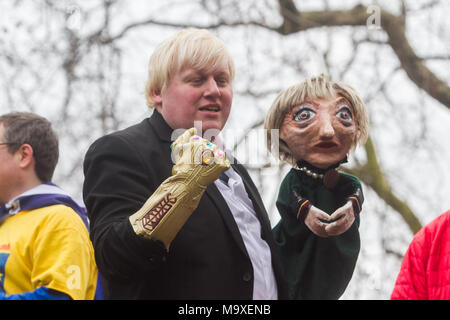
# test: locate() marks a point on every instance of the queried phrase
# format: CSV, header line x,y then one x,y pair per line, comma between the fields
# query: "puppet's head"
x,y
319,122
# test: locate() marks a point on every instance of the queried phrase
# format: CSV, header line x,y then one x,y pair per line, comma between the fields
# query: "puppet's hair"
x,y
313,88
197,48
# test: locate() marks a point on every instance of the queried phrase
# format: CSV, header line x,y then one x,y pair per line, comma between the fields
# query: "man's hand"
x,y
342,218
198,163
192,153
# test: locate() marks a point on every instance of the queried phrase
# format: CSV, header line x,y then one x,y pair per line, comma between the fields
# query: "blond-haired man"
x,y
162,223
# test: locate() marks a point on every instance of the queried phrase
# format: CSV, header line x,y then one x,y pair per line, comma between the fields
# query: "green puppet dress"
x,y
316,267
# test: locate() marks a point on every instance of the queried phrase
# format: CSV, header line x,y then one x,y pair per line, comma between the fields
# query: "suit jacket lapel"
x,y
254,197
216,197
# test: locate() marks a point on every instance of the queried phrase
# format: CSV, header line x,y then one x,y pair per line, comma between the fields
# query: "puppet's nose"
x,y
326,130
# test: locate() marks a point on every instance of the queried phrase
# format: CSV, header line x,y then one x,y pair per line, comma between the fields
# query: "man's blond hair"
x,y
313,88
197,48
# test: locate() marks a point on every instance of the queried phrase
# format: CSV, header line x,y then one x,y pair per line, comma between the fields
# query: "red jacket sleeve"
x,y
411,283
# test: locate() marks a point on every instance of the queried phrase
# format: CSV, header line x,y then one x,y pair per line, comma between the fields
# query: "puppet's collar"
x,y
307,165
329,176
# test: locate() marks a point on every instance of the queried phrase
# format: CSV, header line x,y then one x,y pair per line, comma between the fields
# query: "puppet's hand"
x,y
342,218
314,221
314,218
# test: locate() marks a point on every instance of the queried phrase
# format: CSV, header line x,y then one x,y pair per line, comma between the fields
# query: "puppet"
x,y
319,123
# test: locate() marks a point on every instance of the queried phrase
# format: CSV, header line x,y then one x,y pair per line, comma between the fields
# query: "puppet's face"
x,y
320,131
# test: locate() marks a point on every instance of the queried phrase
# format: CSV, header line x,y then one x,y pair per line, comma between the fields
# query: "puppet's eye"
x,y
303,114
345,113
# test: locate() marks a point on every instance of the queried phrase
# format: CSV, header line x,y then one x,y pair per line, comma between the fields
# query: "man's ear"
x,y
25,156
157,97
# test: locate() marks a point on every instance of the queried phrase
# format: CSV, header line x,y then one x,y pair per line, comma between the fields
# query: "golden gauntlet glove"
x,y
198,163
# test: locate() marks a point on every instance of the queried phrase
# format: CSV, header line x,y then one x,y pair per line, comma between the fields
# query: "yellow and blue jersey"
x,y
47,248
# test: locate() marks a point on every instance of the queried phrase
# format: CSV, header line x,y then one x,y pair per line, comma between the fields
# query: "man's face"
x,y
8,169
197,95
320,132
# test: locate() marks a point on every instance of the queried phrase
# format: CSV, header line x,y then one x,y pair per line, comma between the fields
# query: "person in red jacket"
x,y
425,270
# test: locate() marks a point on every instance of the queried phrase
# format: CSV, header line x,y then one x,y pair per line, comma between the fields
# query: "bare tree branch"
x,y
295,21
100,38
372,175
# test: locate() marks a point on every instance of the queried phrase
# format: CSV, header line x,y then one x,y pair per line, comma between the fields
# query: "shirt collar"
x,y
43,195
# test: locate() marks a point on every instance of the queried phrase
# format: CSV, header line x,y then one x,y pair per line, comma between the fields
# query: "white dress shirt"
x,y
234,193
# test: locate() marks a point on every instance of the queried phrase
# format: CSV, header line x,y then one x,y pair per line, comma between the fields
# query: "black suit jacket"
x,y
207,259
